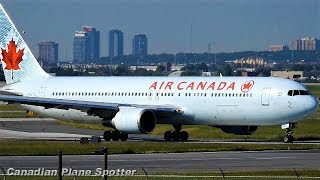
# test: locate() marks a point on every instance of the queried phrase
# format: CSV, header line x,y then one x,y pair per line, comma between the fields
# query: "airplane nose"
x,y
311,104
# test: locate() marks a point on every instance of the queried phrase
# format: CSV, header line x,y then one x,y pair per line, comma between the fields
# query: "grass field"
x,y
24,147
314,89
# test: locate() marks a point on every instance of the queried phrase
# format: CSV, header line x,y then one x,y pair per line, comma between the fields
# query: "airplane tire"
x,y
167,135
288,139
107,135
123,136
115,135
176,136
184,136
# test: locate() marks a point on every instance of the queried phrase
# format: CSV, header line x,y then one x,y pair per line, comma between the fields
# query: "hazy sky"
x,y
229,25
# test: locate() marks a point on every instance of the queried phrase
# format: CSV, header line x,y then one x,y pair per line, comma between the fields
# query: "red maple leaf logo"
x,y
246,87
12,58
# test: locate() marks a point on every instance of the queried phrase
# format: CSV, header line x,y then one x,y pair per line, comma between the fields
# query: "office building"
x,y
48,53
140,45
86,45
306,43
115,43
80,47
93,43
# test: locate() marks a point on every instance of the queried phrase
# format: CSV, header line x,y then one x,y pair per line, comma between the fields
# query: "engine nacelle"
x,y
239,130
134,120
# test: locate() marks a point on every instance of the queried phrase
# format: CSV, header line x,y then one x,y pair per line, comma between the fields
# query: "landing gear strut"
x,y
288,138
176,135
115,136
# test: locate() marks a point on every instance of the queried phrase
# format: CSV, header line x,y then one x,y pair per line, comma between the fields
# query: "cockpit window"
x,y
304,92
297,92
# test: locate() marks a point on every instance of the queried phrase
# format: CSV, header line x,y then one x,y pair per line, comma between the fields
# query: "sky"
x,y
228,25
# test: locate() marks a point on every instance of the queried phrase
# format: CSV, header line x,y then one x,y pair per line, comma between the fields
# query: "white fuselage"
x,y
204,100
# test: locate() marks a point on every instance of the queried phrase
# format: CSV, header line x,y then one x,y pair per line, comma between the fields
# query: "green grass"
x,y
11,107
83,125
20,147
8,114
314,89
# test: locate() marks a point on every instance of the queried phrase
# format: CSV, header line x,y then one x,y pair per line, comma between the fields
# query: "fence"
x,y
148,173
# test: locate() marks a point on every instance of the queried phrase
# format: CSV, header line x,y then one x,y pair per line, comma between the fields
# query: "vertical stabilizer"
x,y
17,60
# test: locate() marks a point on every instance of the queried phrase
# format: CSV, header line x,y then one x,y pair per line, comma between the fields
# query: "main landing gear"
x,y
288,138
115,136
176,135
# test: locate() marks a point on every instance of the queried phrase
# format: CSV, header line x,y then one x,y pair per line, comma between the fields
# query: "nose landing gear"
x,y
176,135
288,138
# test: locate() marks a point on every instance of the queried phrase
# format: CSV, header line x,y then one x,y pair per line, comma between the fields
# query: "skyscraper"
x,y
86,45
93,43
140,45
48,52
115,43
80,47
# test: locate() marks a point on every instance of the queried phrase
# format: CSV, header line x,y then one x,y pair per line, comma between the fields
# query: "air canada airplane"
x,y
135,105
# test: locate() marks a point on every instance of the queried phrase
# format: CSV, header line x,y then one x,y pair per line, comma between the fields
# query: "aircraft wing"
x,y
100,109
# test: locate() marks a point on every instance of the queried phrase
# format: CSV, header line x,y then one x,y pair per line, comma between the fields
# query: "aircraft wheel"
x,y
184,136
288,138
115,135
123,136
176,136
167,135
107,135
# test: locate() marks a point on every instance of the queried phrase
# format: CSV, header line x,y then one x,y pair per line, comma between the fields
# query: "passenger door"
x,y
265,97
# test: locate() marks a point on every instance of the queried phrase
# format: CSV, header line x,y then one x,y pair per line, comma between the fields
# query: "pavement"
x,y
175,162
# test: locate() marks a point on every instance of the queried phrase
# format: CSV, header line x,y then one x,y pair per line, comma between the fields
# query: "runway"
x,y
175,162
50,129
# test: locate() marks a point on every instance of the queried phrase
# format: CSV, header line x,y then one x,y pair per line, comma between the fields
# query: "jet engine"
x,y
239,130
133,121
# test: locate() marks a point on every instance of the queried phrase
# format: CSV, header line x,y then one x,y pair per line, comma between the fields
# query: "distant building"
x,y
93,43
48,53
115,43
79,47
306,43
287,74
140,45
86,45
275,48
